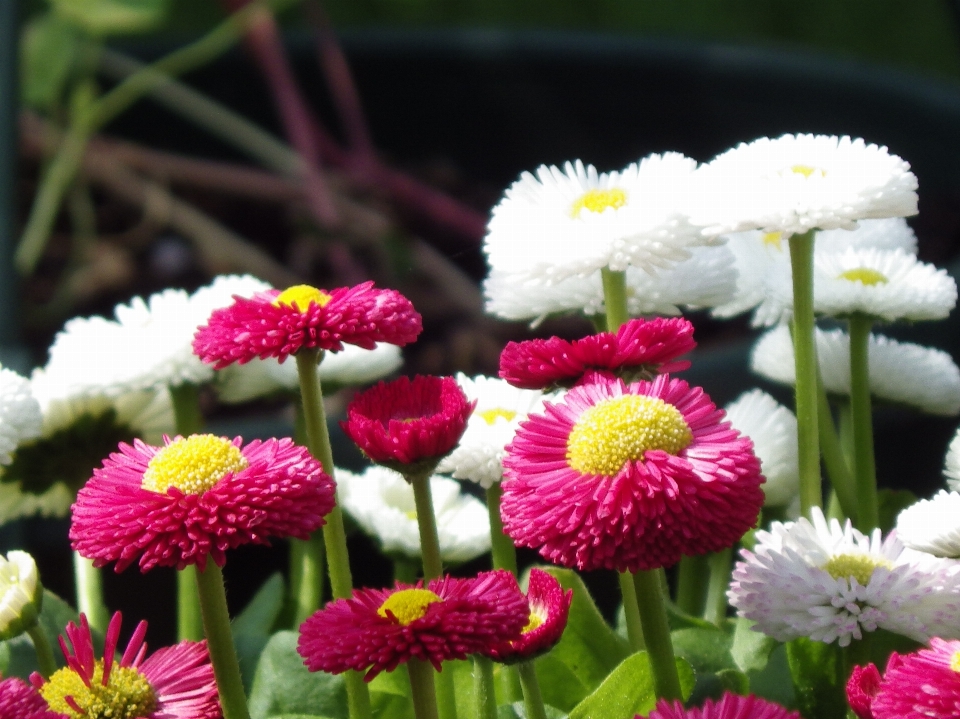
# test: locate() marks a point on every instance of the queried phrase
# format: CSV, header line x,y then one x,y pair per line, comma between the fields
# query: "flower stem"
x,y
405,570
446,695
837,468
422,689
631,611
864,467
615,298
805,353
532,698
719,567
503,549
223,655
90,592
427,523
186,408
41,645
483,687
692,584
334,534
656,634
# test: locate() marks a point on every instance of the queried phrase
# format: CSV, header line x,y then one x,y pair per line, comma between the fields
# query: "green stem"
x,y
805,353
864,467
446,694
532,698
41,645
186,408
631,611
656,634
692,583
841,478
422,689
720,566
483,687
615,298
223,655
427,523
334,534
845,423
89,585
405,570
308,555
503,550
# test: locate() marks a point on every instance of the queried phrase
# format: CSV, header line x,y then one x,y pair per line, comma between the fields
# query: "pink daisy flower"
x,y
639,350
863,685
197,496
549,607
730,706
629,477
378,629
279,324
19,700
173,683
406,422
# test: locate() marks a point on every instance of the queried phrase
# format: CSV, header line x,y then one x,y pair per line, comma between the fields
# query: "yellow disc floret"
x,y
128,694
193,464
537,618
773,239
300,296
806,170
490,416
623,429
857,566
407,605
955,662
865,276
598,201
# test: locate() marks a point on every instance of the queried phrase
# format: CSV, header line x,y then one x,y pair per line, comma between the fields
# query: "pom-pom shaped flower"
x,y
730,706
409,425
279,324
196,497
629,477
832,583
640,348
173,683
921,685
932,525
863,685
549,609
21,594
19,700
378,629
795,183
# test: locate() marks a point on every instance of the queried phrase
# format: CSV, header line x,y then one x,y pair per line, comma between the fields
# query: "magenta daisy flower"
x,y
407,422
197,496
19,700
922,685
173,683
640,349
279,324
863,685
629,477
378,629
549,607
730,706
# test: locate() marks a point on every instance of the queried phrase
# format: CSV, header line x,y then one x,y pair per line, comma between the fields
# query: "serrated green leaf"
x,y
55,614
283,685
251,628
818,681
109,17
49,48
519,711
751,649
707,650
629,690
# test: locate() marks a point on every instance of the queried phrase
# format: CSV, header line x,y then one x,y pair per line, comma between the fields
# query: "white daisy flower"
x,y
932,525
892,233
576,221
833,583
773,429
381,501
706,279
21,594
351,366
20,416
499,411
795,183
921,377
951,465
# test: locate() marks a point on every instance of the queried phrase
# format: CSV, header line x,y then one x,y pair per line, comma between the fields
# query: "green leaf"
x,y
559,686
251,628
817,672
108,17
773,682
55,614
890,502
49,51
629,690
519,711
282,684
390,695
296,716
713,685
679,619
707,650
751,649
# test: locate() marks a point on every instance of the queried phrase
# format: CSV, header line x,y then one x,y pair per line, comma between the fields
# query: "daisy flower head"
x,y
639,349
549,607
21,594
730,706
575,221
408,425
922,685
832,583
19,700
951,465
863,685
20,417
195,496
382,503
932,525
376,630
629,477
921,377
172,683
278,324
796,183
773,430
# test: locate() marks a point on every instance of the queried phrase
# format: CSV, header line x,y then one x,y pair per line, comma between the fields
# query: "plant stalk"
x,y
838,470
89,583
41,645
422,689
532,698
692,584
864,465
719,564
502,547
483,690
656,634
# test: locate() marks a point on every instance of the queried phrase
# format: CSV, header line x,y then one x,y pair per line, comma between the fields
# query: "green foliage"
x,y
49,52
818,680
750,649
111,17
518,711
251,629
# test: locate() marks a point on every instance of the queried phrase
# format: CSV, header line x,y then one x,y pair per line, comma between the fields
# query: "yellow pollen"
x,y
407,605
864,275
193,464
623,429
300,296
128,694
536,620
773,239
955,662
490,416
806,170
857,566
412,514
598,201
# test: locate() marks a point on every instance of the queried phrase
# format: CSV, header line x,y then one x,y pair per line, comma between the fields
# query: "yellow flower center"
x,y
537,618
598,201
623,429
864,275
955,662
407,605
773,239
490,416
806,170
300,296
193,464
128,694
857,566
